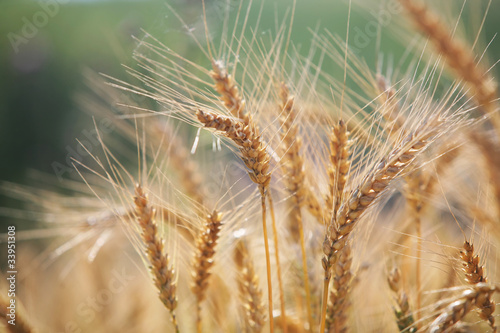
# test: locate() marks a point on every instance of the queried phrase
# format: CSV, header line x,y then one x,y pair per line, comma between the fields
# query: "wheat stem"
x,y
268,259
278,266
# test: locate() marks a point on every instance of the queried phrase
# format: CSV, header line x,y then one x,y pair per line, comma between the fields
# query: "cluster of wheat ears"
x,y
365,202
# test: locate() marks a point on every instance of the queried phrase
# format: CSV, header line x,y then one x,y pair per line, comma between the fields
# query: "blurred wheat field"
x,y
251,190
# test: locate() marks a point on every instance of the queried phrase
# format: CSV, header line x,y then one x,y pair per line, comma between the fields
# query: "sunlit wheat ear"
x,y
338,309
229,92
163,273
244,132
21,322
203,260
474,274
339,168
404,316
459,57
458,309
249,291
364,195
293,169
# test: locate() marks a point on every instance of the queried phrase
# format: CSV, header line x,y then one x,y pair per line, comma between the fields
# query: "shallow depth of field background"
x,y
39,118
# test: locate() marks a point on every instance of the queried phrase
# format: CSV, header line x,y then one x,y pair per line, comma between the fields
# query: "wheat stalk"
x,y
404,316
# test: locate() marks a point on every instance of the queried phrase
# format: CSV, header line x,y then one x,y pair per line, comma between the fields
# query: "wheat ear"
x,y
293,167
250,292
203,259
474,274
364,195
245,134
458,57
457,310
404,316
340,164
163,273
337,314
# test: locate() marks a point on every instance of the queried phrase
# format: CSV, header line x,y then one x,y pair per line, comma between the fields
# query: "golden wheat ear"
x,y
474,274
249,290
163,273
203,259
338,309
457,310
482,85
293,168
404,316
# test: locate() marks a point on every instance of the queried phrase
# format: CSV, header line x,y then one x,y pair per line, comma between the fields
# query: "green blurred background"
x,y
40,75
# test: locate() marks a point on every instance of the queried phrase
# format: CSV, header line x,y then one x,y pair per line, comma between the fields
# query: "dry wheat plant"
x,y
251,190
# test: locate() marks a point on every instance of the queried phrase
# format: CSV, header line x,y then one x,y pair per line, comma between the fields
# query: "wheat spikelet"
x,y
292,161
404,316
203,260
253,151
293,167
370,189
250,292
458,57
226,87
474,274
162,272
457,310
340,164
337,314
